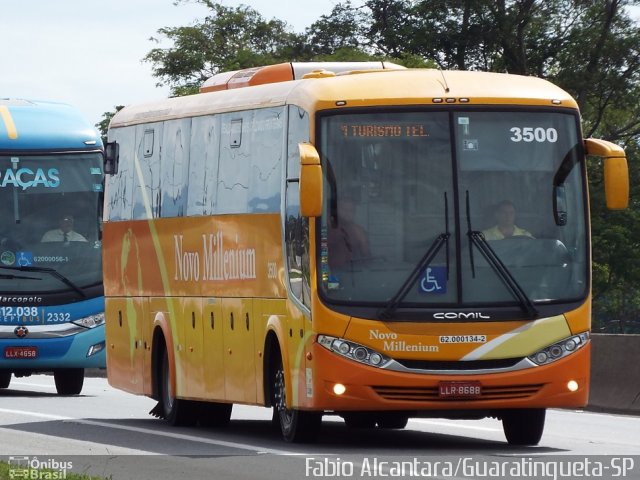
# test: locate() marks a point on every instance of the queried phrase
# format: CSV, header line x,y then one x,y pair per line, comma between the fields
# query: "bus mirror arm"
x,y
616,171
111,158
310,181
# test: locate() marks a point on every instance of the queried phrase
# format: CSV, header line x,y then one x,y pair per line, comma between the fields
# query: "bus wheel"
x,y
523,426
393,420
360,420
215,414
295,425
177,412
69,381
5,379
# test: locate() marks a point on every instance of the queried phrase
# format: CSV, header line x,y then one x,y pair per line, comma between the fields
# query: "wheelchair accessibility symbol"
x,y
434,280
24,259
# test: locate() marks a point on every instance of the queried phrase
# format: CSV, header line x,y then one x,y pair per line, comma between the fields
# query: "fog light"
x,y
572,385
339,389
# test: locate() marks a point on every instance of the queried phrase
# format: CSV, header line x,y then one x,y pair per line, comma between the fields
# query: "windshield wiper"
x,y
51,271
17,277
477,239
391,306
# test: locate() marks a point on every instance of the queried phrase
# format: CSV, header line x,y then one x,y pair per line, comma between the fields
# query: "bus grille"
x,y
460,365
430,394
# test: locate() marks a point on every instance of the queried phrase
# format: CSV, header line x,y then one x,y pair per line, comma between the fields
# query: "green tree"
x,y
103,125
341,32
227,39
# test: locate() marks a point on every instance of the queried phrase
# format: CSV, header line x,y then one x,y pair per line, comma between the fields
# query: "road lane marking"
x,y
108,449
456,425
25,384
148,431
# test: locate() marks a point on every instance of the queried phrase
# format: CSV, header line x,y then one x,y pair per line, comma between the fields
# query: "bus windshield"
x,y
442,208
48,223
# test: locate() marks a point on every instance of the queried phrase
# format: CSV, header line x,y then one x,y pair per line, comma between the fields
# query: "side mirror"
x,y
616,171
310,181
560,205
111,158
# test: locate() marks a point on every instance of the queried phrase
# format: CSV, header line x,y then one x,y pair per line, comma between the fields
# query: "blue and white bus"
x,y
51,295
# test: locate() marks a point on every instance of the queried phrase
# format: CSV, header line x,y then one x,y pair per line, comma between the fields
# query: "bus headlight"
x,y
353,351
91,321
560,349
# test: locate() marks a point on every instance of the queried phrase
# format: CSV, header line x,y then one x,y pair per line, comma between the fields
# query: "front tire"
x,y
523,426
69,381
296,425
176,411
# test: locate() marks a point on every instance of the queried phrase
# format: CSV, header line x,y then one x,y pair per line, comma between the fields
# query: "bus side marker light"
x,y
339,389
98,347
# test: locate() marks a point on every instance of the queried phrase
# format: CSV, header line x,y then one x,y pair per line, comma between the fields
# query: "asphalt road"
x,y
109,433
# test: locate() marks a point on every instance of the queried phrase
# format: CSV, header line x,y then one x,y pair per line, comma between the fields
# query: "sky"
x,y
88,52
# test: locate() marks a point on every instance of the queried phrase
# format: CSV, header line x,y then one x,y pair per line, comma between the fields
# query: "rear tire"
x,y
5,379
176,411
296,425
69,381
523,426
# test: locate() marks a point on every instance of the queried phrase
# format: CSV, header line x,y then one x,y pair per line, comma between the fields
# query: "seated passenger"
x,y
64,233
505,227
347,240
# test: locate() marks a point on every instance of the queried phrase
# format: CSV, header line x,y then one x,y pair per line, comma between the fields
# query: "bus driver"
x,y
505,227
64,232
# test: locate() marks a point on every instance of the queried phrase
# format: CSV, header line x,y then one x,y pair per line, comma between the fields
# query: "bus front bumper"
x,y
564,383
85,349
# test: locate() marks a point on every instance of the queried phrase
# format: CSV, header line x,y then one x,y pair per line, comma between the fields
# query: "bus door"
x,y
239,361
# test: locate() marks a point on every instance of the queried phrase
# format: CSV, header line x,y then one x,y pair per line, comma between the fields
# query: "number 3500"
x,y
531,134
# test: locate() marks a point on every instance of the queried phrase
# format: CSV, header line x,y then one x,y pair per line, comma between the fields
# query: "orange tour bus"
x,y
355,239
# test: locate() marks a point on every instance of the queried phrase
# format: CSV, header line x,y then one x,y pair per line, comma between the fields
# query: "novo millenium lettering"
x,y
216,262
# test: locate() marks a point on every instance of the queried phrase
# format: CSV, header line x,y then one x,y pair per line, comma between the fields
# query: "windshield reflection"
x,y
517,240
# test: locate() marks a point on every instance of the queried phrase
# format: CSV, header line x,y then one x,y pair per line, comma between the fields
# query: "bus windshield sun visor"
x,y
477,239
50,271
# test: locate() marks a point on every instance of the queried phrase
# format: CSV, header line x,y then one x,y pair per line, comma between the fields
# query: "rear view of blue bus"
x,y
51,296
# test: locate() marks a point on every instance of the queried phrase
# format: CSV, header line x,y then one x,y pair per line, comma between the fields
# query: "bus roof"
x,y
359,89
27,125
